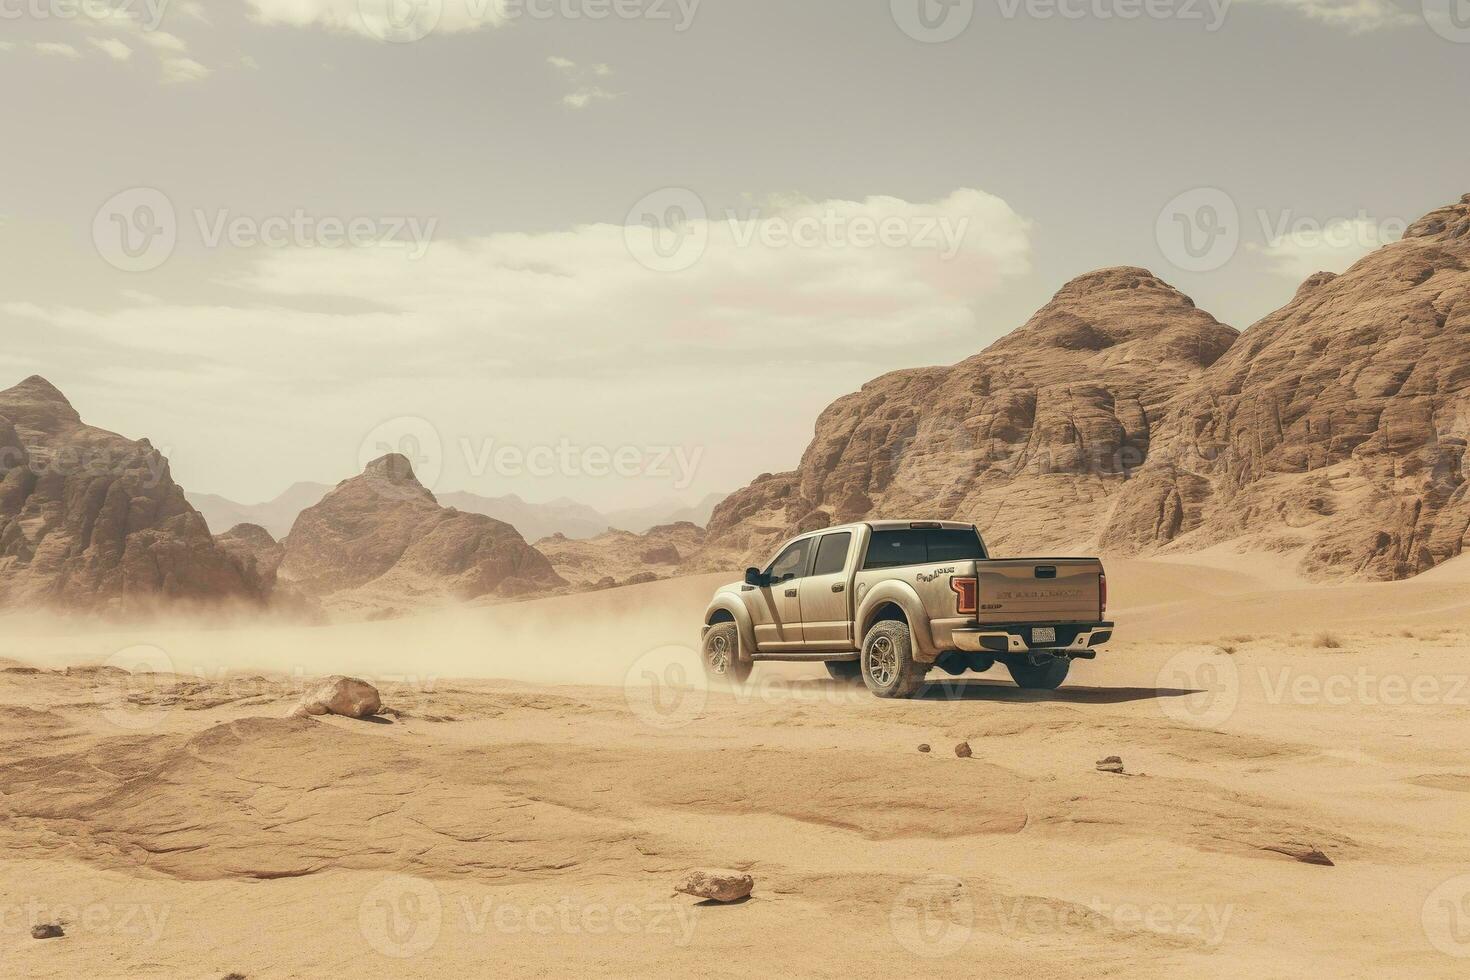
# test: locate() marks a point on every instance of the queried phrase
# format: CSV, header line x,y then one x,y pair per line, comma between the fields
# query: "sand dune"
x,y
554,767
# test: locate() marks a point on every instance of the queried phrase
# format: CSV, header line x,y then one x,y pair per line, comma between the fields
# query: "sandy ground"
x,y
557,766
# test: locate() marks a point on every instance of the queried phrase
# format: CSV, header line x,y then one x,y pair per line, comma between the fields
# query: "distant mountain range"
x,y
534,521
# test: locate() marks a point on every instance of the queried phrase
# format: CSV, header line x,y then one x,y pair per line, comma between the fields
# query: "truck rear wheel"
x,y
1047,677
721,654
888,665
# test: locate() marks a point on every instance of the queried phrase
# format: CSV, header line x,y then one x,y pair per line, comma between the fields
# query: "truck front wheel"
x,y
721,654
888,665
1046,677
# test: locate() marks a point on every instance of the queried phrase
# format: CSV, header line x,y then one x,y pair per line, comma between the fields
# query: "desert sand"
x,y
556,766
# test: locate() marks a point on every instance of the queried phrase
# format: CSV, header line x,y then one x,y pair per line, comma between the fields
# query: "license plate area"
x,y
1043,634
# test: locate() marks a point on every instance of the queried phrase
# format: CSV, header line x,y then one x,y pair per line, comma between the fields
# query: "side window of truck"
x,y
832,553
790,563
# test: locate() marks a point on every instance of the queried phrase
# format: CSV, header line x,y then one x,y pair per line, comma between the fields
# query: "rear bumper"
x,y
1072,638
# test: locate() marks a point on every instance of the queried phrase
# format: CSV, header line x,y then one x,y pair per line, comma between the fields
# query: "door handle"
x,y
839,587
791,593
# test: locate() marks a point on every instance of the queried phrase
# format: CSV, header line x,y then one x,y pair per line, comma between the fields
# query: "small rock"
x,y
1305,853
963,750
47,930
924,747
1112,763
719,886
338,695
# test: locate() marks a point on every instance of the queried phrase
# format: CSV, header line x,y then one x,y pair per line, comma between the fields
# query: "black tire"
x,y
720,654
1048,677
888,666
846,671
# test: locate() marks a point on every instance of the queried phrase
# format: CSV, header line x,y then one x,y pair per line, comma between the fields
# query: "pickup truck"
x,y
888,600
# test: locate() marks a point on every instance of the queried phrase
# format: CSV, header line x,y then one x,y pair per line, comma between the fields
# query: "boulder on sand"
x,y
338,695
719,886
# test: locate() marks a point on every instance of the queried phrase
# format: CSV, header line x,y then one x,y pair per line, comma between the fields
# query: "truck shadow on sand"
x,y
980,690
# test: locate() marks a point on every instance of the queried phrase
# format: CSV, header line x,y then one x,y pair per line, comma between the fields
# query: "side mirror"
x,y
754,577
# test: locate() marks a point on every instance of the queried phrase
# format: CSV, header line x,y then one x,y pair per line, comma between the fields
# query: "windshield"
x,y
907,546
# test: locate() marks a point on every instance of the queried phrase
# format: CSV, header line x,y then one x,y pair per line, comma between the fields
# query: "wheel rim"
x,y
882,661
719,654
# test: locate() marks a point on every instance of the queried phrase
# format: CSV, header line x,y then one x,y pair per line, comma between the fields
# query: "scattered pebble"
x,y
719,886
963,750
924,747
47,930
1112,763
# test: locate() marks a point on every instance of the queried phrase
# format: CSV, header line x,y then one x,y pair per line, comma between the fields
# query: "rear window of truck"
x,y
907,546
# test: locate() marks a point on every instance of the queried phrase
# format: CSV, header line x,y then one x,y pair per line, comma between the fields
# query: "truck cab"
x,y
887,600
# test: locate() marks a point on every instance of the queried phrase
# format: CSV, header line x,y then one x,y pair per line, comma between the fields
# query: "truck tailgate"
x,y
1040,590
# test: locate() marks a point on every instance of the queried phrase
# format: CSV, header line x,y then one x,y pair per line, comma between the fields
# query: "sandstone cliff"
x,y
91,520
1336,427
1033,438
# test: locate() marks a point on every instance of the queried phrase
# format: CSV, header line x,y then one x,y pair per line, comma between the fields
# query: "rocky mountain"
x,y
275,516
565,517
381,540
256,552
534,520
1032,438
1336,428
94,521
621,557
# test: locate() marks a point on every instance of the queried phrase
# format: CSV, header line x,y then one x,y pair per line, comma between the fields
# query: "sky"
x,y
627,250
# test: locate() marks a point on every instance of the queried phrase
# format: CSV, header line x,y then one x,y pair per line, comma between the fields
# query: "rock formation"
x,y
382,538
1051,420
90,520
1336,428
623,558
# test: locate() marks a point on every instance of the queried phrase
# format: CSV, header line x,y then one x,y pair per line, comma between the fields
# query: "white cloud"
x,y
1356,16
584,91
581,299
54,49
164,41
583,97
112,47
1332,247
177,70
381,19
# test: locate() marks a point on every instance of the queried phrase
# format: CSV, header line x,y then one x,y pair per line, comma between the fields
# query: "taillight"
x,y
967,592
1102,595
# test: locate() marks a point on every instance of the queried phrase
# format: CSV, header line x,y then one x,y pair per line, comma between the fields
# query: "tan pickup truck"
x,y
888,600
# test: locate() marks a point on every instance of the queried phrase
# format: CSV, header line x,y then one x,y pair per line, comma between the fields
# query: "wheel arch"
x,y
729,609
897,600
